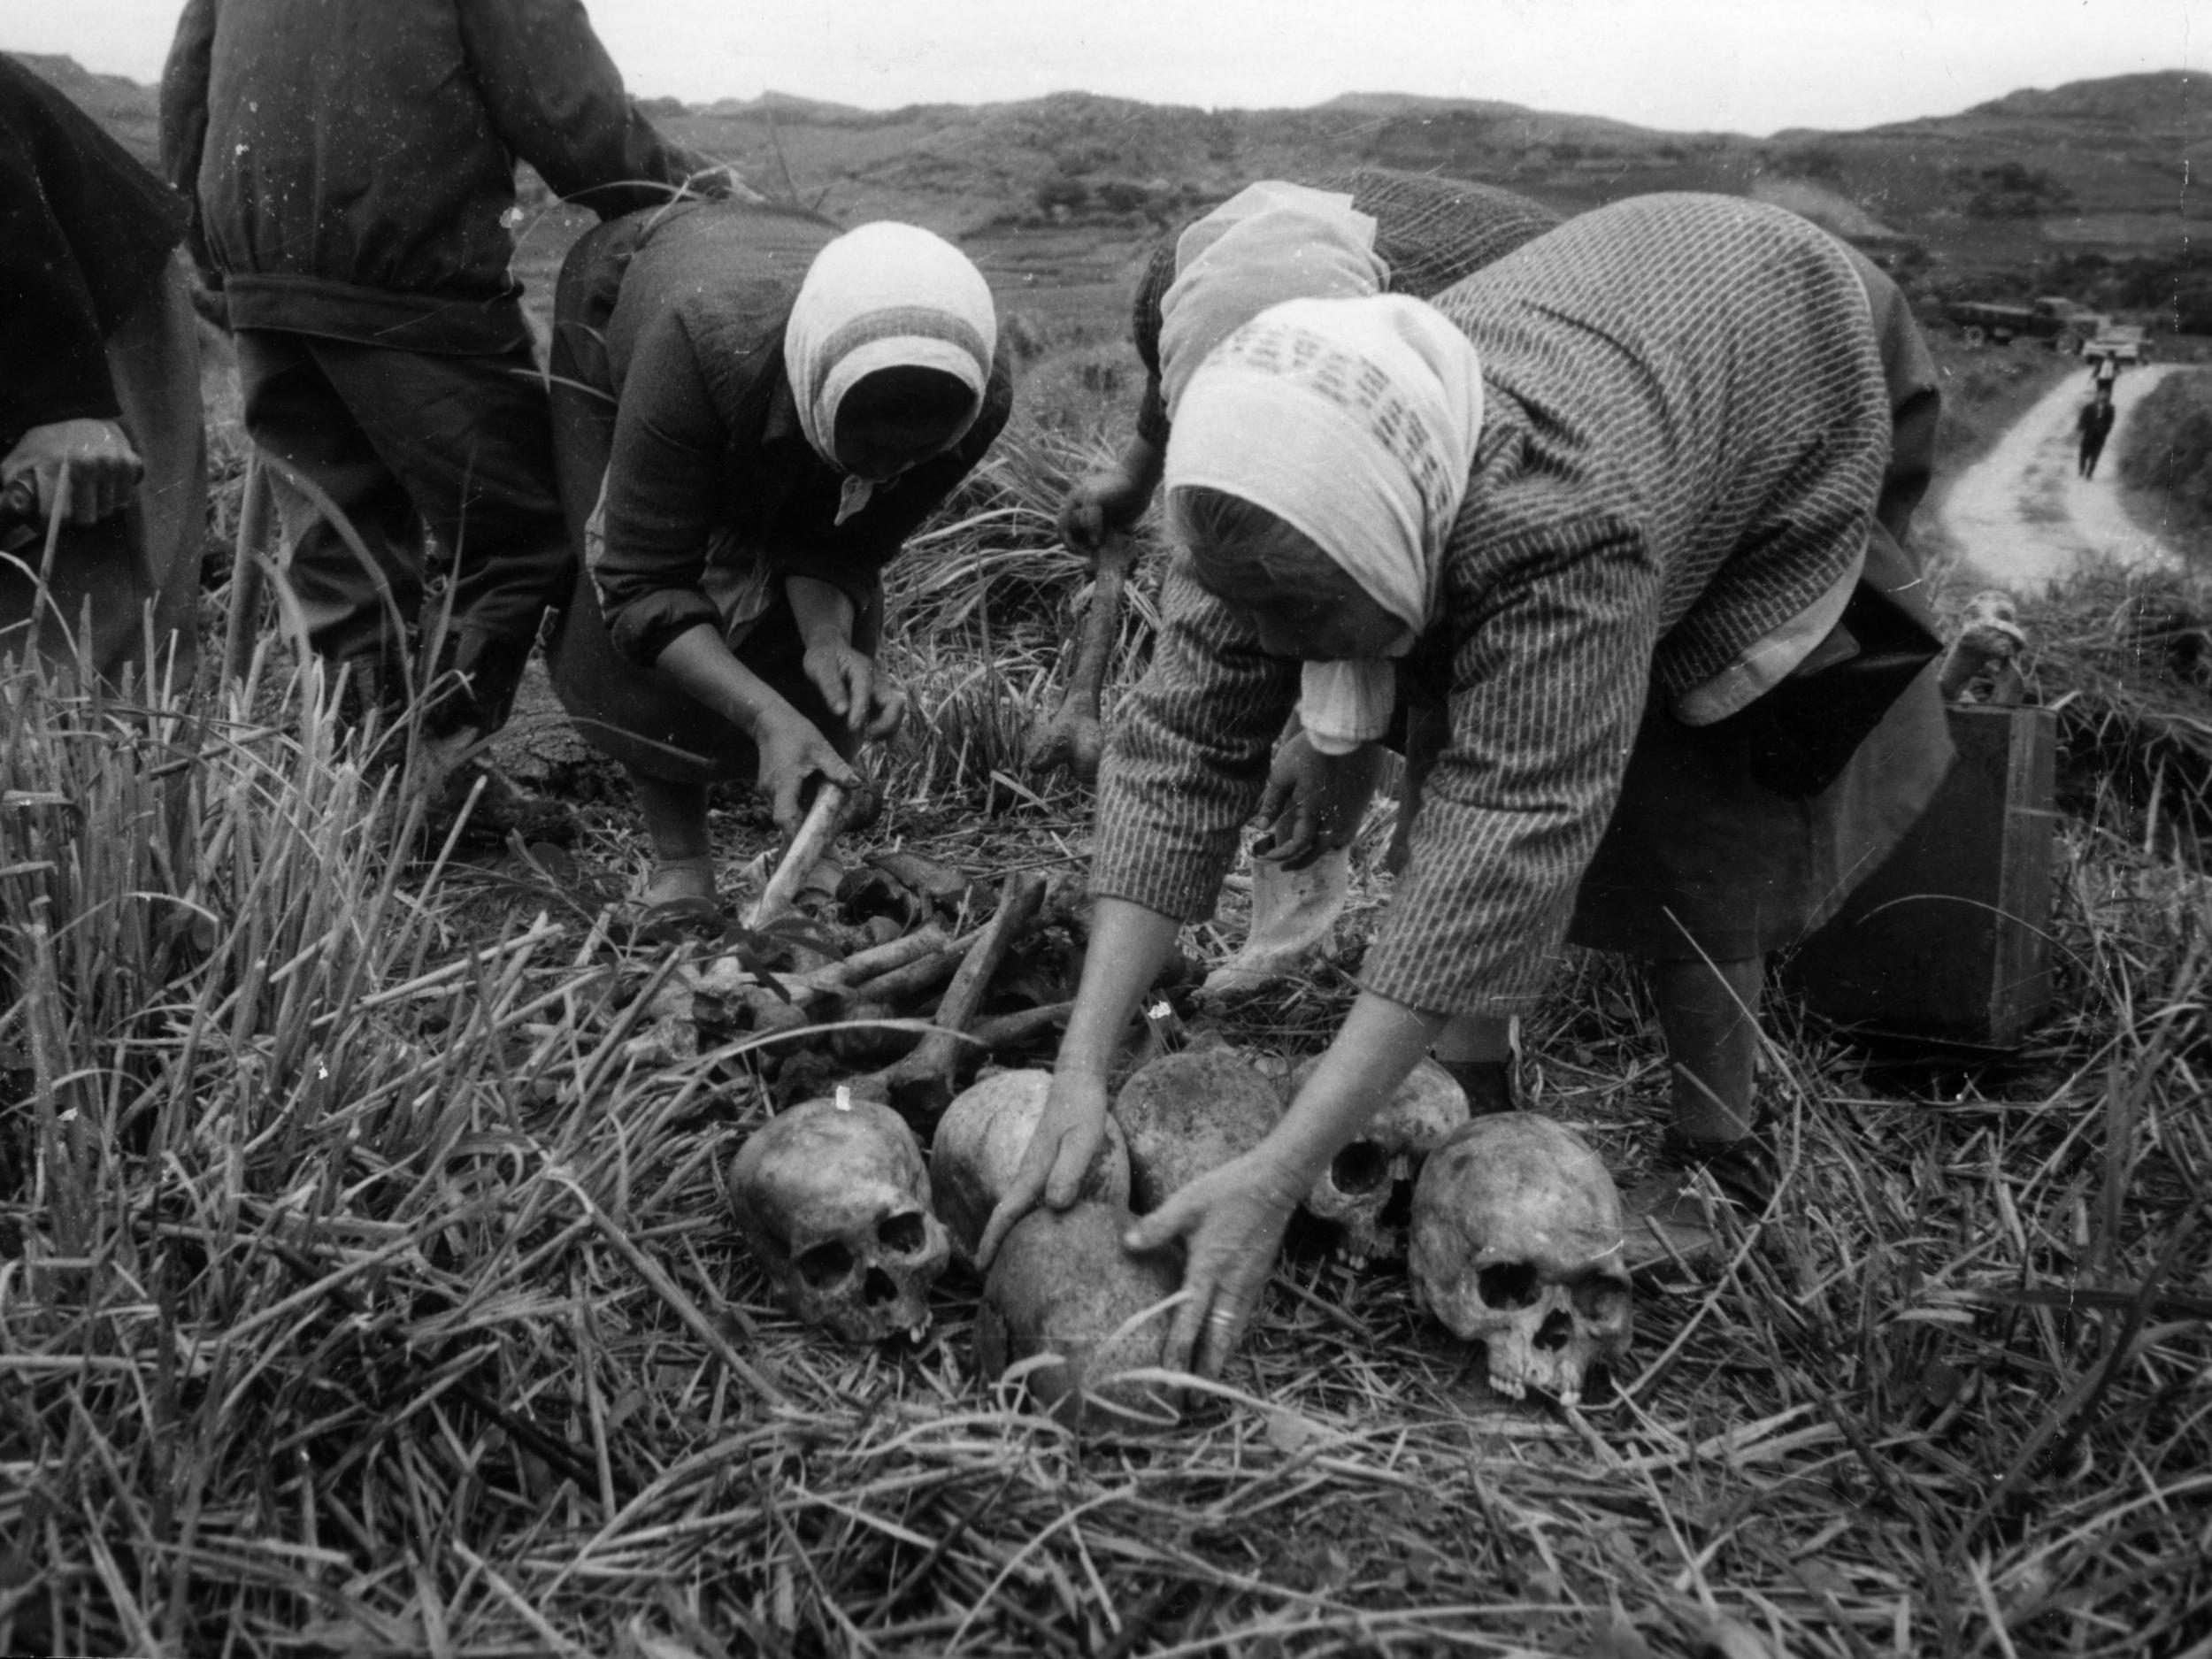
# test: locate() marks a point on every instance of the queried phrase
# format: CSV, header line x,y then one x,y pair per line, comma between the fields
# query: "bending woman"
x,y
753,411
1625,507
1369,231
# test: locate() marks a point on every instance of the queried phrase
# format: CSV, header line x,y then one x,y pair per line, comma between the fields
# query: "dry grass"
x,y
361,1295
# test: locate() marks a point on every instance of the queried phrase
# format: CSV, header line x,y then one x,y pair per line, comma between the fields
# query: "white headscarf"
x,y
885,296
1355,421
1270,241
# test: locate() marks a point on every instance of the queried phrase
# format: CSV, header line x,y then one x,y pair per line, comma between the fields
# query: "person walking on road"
x,y
2094,425
353,166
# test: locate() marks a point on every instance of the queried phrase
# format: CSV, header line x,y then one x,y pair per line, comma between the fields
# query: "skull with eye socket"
x,y
1515,1243
1367,1190
834,1202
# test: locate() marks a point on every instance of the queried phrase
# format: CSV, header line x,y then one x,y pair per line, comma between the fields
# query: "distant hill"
x,y
1068,189
124,107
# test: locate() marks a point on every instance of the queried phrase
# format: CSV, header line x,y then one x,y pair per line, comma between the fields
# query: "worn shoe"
x,y
1698,1195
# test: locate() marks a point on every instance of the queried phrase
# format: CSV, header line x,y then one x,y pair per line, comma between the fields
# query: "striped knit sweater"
x,y
1685,435
1430,231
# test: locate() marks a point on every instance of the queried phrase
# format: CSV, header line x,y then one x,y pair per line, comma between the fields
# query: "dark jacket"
x,y
85,232
680,317
352,161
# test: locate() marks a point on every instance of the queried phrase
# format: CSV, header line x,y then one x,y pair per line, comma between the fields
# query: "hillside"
x,y
1059,195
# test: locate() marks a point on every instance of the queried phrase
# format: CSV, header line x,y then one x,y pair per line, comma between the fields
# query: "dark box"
x,y
1950,939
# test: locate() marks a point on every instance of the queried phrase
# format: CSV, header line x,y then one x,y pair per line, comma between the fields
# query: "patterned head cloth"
x,y
885,296
1354,422
1270,241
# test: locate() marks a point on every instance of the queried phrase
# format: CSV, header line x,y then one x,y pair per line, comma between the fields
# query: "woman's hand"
x,y
1098,505
1231,1223
1061,1148
1314,803
868,701
792,750
95,458
1111,499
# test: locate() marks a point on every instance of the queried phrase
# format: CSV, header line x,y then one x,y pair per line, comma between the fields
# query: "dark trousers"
x,y
396,442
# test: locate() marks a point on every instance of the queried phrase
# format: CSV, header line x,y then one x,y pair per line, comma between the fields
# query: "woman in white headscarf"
x,y
1351,235
1623,510
753,411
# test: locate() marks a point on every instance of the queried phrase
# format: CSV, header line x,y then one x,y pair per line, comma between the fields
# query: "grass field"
x,y
364,1290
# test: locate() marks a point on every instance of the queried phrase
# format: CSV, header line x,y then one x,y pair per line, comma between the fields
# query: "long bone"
x,y
1072,735
920,1086
817,830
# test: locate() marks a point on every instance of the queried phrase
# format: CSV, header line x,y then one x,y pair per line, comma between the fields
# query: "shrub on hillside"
x,y
2169,446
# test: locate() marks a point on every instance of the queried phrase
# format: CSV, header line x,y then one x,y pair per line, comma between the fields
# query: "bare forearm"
x,y
1128,943
1380,1042
1143,462
823,611
702,664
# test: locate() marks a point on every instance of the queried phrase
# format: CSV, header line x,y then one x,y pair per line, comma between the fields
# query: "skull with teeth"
x,y
833,1201
1516,1244
1367,1190
977,1148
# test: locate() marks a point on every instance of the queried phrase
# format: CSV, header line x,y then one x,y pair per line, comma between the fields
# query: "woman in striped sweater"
x,y
1618,520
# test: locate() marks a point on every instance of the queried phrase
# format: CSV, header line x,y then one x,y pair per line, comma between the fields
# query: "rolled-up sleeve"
x,y
1548,685
1188,755
656,511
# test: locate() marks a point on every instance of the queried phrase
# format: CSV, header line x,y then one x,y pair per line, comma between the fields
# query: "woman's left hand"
x,y
1231,1223
867,700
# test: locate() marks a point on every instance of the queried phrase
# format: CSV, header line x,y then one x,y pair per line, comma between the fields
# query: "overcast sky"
x,y
1736,65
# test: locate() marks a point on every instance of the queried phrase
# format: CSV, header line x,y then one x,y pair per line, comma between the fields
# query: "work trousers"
x,y
394,442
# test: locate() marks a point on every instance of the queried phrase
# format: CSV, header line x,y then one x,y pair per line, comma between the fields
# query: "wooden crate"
x,y
1950,939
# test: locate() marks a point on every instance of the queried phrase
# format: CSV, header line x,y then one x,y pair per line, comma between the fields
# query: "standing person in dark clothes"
x,y
1627,505
2094,423
353,164
99,392
1365,232
754,411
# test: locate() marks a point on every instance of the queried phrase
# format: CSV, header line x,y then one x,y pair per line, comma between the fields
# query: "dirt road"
x,y
2023,517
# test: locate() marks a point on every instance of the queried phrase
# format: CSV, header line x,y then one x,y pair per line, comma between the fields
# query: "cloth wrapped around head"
x,y
885,296
1354,422
1270,242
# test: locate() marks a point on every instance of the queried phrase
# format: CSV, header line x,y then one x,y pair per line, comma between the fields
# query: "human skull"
x,y
833,1201
1187,1114
1367,1190
977,1151
1062,1285
1515,1243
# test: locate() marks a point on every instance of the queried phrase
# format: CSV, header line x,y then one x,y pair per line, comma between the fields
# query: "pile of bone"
x,y
1510,1226
878,951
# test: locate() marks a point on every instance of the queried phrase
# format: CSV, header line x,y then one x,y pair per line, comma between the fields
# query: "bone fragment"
x,y
1071,736
816,832
1989,638
920,1084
